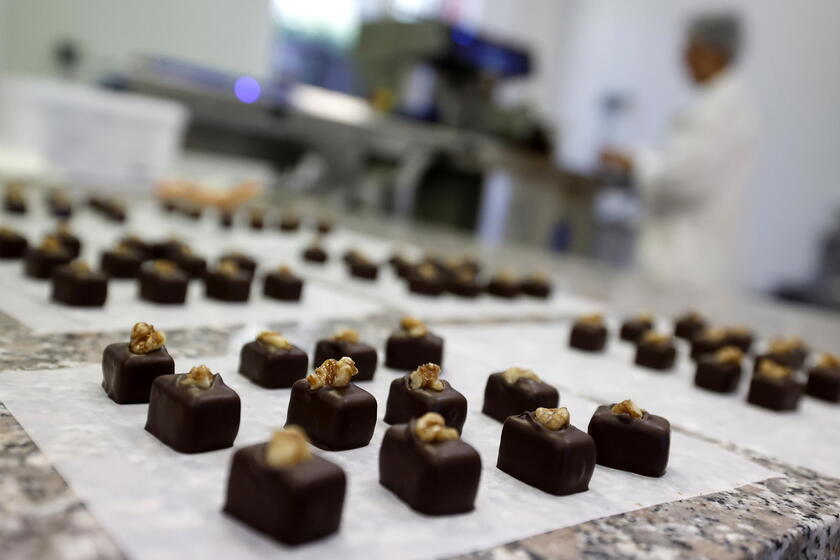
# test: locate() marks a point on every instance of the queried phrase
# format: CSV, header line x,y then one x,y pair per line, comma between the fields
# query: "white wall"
x,y
792,69
230,35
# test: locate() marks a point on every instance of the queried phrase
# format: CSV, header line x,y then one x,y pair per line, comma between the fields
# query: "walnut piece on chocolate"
x,y
274,339
145,339
287,447
333,373
552,418
431,427
413,327
426,376
199,376
514,374
627,407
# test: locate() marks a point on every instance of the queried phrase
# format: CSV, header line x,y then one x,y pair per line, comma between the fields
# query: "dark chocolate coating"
x,y
60,210
193,265
162,289
535,288
138,246
409,352
334,418
590,338
272,367
655,356
701,346
560,462
502,289
775,394
824,383
638,445
71,244
402,266
405,403
425,286
742,341
284,287
14,206
191,419
503,399
439,478
244,262
714,375
363,270
315,255
226,219
633,329
40,264
162,249
688,327
363,354
794,359
79,290
464,288
227,287
257,222
293,504
289,224
127,377
121,264
12,246
324,226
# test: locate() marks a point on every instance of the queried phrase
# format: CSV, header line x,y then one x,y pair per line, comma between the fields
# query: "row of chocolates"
x,y
282,489
719,354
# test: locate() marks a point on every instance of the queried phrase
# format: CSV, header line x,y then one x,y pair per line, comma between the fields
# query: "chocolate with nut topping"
x,y
423,391
345,342
12,244
412,346
589,333
271,361
655,351
281,284
630,439
129,369
514,391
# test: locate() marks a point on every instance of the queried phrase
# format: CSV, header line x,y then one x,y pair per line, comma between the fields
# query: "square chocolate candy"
x,y
655,351
12,244
243,262
363,269
79,288
228,286
406,352
435,478
405,403
193,419
625,442
717,376
777,394
824,383
282,286
157,286
334,418
127,377
272,367
589,336
559,462
503,399
364,355
294,504
121,263
40,263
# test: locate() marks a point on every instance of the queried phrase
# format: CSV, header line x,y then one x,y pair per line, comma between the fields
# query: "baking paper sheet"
x,y
331,292
160,504
809,436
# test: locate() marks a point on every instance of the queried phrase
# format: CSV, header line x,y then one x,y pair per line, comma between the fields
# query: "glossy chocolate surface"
x,y
590,338
638,445
535,288
467,288
243,262
425,286
272,367
14,205
293,504
633,329
127,377
121,264
12,245
794,359
334,418
656,356
227,287
315,255
363,270
71,243
363,354
40,264
824,383
190,419
405,403
559,462
503,399
158,288
740,340
284,287
775,394
193,265
409,352
71,287
438,478
703,346
688,326
502,289
718,376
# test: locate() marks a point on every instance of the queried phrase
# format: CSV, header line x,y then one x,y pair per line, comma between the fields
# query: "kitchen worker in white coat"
x,y
692,186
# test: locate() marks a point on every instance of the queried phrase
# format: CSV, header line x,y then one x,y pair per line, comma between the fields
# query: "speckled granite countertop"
x,y
793,517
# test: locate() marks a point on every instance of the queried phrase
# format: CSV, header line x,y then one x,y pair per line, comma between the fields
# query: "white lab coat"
x,y
692,189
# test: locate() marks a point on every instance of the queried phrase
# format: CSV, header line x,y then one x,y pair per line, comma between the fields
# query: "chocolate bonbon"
x,y
228,282
824,379
39,262
634,327
161,281
281,284
774,386
130,368
541,448
346,342
708,341
589,333
271,361
123,261
516,390
536,285
655,351
426,465
243,262
721,371
193,412
503,285
75,284
425,279
631,439
335,413
689,324
12,244
412,346
423,391
282,489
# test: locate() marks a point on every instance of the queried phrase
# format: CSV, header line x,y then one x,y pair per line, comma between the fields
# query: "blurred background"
x,y
509,121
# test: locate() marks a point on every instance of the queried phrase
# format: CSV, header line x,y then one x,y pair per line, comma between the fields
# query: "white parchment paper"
x,y
809,436
160,504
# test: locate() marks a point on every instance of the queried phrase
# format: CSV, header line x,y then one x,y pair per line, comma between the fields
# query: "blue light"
x,y
247,89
